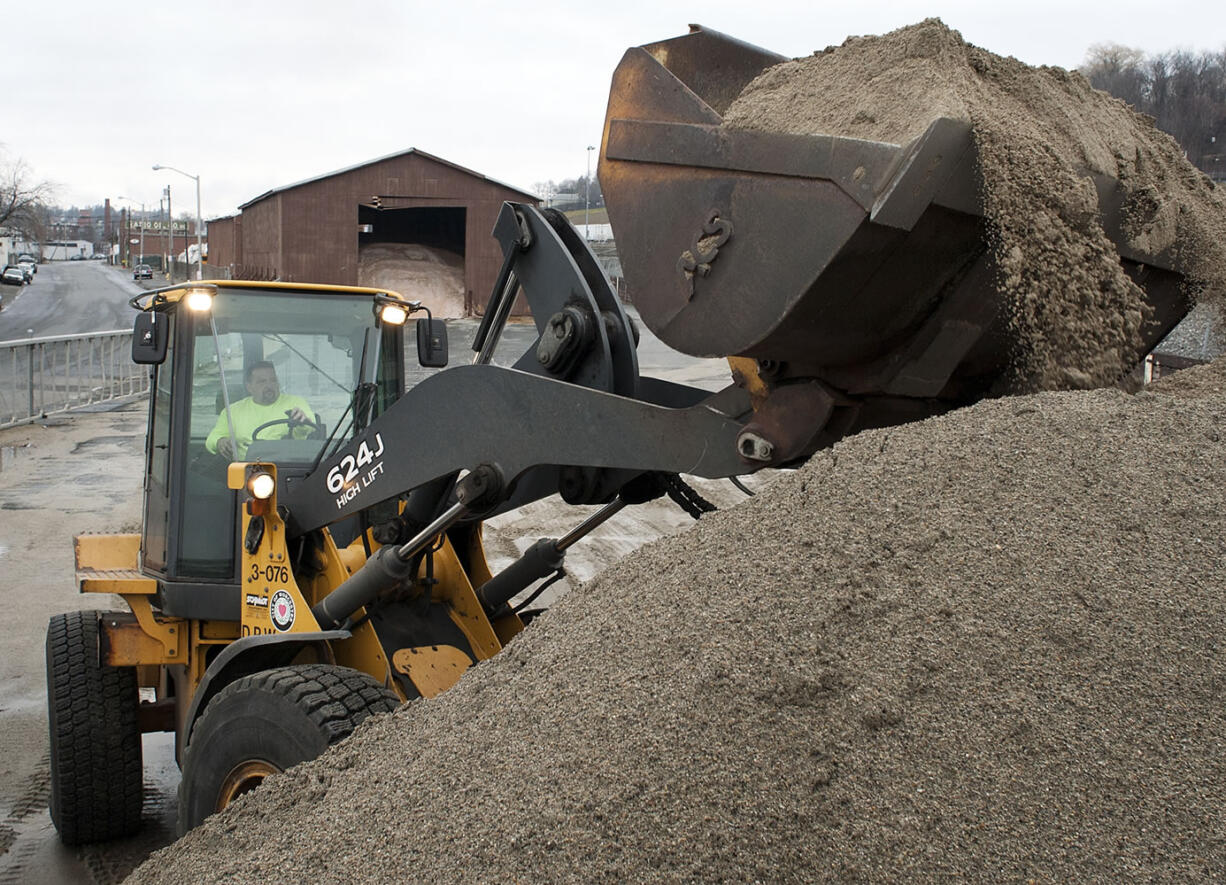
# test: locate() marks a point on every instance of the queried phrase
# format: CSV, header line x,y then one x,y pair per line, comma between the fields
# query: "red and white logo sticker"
x,y
281,610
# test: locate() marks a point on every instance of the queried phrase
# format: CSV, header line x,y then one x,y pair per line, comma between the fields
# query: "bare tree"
x,y
1118,70
22,197
1184,92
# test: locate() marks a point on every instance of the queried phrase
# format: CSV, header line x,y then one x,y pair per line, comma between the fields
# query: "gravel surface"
x,y
1075,315
985,645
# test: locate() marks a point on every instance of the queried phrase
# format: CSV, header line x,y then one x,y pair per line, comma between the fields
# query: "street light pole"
x,y
199,220
587,200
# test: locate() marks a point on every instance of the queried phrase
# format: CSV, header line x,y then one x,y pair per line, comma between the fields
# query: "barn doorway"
x,y
416,252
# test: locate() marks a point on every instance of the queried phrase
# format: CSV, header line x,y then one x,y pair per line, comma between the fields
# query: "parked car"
x,y
13,276
23,260
27,271
142,272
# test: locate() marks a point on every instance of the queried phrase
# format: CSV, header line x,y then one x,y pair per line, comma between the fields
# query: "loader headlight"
x,y
393,314
200,298
261,486
392,311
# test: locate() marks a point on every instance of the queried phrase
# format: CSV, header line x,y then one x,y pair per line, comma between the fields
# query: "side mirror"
x,y
150,335
432,343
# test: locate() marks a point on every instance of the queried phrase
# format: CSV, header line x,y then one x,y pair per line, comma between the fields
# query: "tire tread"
x,y
97,788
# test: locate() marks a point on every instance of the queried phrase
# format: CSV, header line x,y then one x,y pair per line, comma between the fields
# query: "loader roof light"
x,y
393,311
199,299
393,314
261,485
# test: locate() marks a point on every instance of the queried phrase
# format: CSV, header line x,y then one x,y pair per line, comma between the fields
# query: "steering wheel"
x,y
316,429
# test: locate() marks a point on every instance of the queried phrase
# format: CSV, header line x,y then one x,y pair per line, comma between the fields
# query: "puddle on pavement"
x,y
30,848
124,442
10,454
35,850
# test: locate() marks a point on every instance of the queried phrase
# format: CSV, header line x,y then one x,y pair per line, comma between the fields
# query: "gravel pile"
x,y
1075,315
986,645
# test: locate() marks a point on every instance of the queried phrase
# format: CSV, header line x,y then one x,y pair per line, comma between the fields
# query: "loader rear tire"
x,y
96,767
267,722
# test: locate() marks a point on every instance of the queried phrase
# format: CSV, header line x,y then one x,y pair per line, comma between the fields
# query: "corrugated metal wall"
x,y
261,242
225,252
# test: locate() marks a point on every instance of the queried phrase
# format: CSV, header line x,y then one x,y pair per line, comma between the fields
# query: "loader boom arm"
x,y
571,412
516,421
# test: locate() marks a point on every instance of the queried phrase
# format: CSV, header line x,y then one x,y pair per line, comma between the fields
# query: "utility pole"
x,y
170,235
587,200
143,223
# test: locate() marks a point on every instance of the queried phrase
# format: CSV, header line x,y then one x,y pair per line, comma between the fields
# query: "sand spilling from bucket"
x,y
1042,135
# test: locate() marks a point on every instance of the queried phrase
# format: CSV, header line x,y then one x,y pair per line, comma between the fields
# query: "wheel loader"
x,y
333,567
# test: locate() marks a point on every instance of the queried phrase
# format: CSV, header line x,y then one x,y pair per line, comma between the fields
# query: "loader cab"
x,y
327,356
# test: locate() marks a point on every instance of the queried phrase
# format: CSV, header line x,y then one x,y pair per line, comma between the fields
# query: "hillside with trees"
x,y
570,194
1184,92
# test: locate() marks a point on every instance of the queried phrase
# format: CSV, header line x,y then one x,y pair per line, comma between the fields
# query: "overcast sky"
x,y
251,95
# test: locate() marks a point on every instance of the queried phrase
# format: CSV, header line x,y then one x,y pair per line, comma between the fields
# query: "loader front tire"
x,y
96,766
267,722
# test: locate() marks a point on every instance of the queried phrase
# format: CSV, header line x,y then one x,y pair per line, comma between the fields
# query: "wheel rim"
x,y
242,779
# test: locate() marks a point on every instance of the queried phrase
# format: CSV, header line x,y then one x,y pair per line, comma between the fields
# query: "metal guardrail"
x,y
42,376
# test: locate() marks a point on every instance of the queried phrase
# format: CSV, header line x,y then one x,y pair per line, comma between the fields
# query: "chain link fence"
x,y
42,376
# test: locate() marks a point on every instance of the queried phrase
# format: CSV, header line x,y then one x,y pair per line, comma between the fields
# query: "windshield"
x,y
277,374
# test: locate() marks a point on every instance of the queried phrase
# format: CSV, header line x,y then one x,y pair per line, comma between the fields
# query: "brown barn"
x,y
411,222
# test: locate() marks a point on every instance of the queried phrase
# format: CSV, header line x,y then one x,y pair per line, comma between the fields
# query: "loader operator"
x,y
266,403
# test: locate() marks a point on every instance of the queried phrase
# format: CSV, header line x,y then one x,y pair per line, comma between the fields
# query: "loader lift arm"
x,y
571,416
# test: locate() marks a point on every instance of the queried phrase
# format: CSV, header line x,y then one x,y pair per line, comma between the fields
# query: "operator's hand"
x,y
296,416
225,448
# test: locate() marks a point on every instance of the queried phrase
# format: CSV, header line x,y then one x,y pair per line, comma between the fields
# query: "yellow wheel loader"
x,y
311,552
312,556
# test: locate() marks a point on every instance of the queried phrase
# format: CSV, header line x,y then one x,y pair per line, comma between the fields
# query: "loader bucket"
x,y
864,263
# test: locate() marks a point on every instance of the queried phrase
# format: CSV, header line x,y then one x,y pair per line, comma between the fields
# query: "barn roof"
x,y
431,157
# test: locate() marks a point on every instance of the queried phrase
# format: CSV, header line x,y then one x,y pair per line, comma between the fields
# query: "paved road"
x,y
68,298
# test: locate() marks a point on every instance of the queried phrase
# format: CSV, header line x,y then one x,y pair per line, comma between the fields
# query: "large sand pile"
x,y
1040,133
987,645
